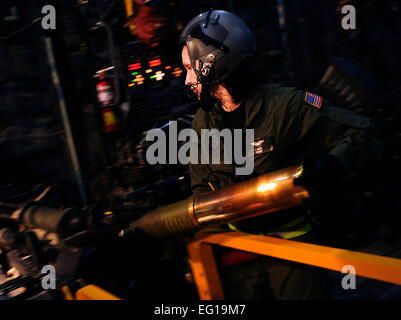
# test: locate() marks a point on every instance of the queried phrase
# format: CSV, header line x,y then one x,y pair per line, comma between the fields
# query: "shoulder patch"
x,y
313,99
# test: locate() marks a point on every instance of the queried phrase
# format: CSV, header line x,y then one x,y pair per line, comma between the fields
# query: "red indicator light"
x,y
134,66
155,63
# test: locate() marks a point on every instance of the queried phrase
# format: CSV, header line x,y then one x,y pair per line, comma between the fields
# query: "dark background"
x,y
308,49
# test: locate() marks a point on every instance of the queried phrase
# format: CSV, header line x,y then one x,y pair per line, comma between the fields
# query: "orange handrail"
x,y
204,267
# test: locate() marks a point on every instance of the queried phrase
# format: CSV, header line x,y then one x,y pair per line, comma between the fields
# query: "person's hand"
x,y
321,176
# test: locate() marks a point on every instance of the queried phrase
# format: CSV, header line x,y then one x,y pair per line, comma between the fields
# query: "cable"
x,y
64,116
21,30
32,135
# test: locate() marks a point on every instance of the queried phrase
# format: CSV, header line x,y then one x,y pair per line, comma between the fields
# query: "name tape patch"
x,y
263,145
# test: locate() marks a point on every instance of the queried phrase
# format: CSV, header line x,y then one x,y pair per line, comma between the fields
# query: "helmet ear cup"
x,y
205,71
207,65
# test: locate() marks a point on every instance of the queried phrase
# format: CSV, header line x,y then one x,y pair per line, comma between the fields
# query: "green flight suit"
x,y
283,116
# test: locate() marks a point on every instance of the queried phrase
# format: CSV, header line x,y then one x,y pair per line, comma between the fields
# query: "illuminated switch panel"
x,y
153,74
135,75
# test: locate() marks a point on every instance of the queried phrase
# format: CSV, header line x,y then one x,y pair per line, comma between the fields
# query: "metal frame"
x,y
206,276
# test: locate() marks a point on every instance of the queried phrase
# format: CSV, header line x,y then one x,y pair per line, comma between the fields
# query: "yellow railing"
x,y
89,292
206,276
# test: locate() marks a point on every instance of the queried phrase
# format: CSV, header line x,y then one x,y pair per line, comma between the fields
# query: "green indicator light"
x,y
152,77
134,73
132,80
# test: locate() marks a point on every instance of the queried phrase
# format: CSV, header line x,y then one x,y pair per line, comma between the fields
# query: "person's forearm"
x,y
357,148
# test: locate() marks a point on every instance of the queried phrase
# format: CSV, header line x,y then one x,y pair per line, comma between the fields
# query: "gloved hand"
x,y
321,176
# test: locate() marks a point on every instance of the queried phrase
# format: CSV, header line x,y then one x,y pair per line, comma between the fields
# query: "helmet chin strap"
x,y
205,76
192,90
206,100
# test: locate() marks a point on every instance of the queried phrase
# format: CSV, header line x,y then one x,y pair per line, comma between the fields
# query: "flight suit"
x,y
287,122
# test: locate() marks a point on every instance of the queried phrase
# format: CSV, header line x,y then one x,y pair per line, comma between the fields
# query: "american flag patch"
x,y
313,99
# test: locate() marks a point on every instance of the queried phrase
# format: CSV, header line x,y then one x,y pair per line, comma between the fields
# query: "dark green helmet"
x,y
218,41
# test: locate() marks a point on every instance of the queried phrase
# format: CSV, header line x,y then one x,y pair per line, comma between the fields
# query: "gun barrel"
x,y
49,219
267,193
